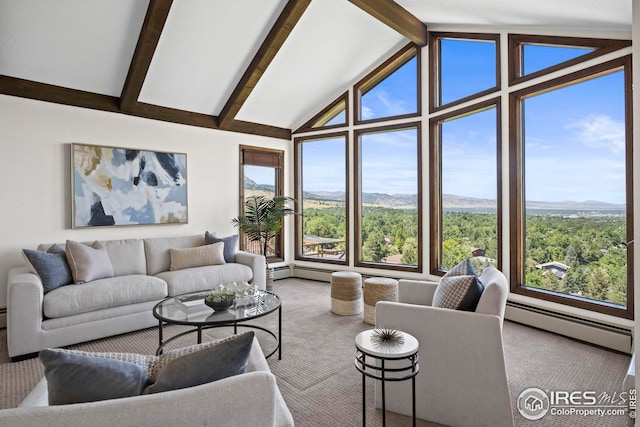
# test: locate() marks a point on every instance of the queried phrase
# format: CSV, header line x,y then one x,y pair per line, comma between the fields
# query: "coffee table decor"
x,y
220,299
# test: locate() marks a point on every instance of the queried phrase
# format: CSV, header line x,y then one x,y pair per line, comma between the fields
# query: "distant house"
x,y
393,259
477,252
557,268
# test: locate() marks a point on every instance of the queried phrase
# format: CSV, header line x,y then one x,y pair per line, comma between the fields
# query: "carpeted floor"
x,y
318,379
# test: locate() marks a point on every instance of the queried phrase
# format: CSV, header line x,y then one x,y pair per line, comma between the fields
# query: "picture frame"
x,y
117,186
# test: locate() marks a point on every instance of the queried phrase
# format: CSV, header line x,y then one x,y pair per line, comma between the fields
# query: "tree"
x,y
410,251
375,247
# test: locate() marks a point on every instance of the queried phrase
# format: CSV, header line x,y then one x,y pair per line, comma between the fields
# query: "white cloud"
x,y
599,131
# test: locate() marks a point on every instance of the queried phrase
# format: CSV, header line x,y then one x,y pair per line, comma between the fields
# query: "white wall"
x,y
35,200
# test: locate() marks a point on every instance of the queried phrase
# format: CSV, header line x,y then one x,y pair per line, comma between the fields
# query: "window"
x,y
533,56
571,150
321,188
463,67
335,115
261,174
388,203
392,90
465,159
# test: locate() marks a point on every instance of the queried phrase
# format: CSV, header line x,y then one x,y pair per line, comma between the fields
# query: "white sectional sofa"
x,y
249,399
142,276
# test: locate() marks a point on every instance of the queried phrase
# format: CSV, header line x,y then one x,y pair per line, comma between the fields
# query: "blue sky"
x,y
574,136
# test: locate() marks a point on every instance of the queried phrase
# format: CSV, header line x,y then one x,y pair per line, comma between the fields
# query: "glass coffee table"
x,y
170,311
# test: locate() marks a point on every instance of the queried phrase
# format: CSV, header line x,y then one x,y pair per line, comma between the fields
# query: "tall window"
x,y
388,220
573,207
465,159
261,174
321,188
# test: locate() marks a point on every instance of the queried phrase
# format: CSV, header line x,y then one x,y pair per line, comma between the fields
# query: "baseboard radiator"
x,y
615,338
612,337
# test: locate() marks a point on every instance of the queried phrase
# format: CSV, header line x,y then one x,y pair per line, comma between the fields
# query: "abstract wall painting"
x,y
115,186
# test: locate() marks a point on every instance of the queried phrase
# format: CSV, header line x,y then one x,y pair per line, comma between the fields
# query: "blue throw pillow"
x,y
50,266
230,244
73,377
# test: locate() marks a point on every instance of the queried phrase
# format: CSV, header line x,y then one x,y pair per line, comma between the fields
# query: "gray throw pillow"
x,y
459,289
226,358
51,266
230,244
77,378
88,263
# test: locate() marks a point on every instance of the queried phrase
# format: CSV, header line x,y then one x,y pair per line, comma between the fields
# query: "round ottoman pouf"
x,y
378,289
346,293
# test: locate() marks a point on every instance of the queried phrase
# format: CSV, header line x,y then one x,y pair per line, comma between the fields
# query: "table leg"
x,y
364,411
160,334
384,412
199,334
413,396
280,333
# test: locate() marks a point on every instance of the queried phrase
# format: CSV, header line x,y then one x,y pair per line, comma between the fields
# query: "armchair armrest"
x,y
416,291
257,263
25,296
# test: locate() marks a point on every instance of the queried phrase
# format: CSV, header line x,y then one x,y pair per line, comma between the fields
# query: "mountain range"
x,y
449,201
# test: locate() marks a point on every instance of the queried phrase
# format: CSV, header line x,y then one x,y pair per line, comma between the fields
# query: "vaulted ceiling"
x,y
255,66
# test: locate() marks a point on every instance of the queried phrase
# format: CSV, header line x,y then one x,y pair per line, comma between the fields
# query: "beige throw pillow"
x,y
88,263
198,256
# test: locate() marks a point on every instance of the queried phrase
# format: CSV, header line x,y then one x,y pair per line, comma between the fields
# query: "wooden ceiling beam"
x,y
267,51
152,27
60,95
395,16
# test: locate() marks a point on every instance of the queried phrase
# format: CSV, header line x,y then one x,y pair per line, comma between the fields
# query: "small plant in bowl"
x,y
220,299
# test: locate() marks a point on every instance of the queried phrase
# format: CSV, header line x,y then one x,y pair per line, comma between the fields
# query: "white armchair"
x,y
462,379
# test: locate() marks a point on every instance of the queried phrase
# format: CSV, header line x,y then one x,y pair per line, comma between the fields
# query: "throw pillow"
x,y
51,266
88,263
197,257
187,368
459,289
78,378
230,244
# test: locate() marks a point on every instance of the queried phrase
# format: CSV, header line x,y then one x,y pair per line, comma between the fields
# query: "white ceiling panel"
x,y
564,14
333,43
78,44
204,49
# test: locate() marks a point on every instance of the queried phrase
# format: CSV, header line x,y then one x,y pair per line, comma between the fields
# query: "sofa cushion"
x,y
88,263
50,266
459,289
204,278
157,250
126,255
197,257
222,359
103,293
230,244
78,378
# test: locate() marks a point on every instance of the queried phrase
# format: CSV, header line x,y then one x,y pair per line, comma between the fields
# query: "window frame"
x,y
435,82
358,196
516,43
435,179
380,73
516,189
326,114
299,229
266,157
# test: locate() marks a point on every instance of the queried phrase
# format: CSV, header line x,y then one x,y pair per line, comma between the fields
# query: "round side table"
x,y
404,350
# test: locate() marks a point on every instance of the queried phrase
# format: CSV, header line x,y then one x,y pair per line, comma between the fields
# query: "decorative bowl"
x,y
220,305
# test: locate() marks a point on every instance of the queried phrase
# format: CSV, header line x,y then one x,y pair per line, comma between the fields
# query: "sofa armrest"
x,y
258,265
25,296
416,291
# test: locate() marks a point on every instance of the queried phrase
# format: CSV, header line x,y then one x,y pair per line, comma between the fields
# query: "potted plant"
x,y
262,221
